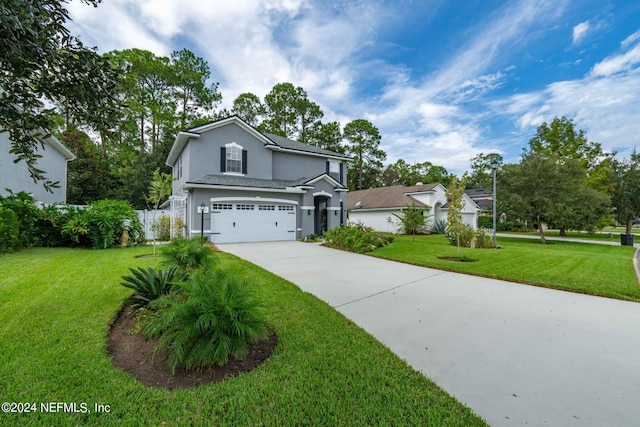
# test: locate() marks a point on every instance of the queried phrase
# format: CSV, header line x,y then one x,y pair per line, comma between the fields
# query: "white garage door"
x,y
252,222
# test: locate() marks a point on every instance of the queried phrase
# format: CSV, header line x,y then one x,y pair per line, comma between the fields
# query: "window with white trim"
x,y
177,168
234,158
334,170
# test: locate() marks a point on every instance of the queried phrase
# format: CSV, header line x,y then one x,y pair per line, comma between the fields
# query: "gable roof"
x,y
271,141
59,146
478,192
290,144
395,196
241,181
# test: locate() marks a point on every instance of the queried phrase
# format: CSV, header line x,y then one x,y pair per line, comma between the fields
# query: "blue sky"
x,y
442,80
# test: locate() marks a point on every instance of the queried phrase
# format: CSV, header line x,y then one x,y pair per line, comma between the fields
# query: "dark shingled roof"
x,y
386,197
290,144
241,181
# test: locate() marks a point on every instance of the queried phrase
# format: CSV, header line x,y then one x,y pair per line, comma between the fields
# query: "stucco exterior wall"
x,y
290,166
15,176
204,154
379,220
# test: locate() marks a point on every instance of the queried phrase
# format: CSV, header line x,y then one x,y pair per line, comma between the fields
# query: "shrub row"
x,y
355,238
24,223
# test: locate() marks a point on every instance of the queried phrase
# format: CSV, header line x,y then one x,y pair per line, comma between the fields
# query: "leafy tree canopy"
x,y
403,173
40,62
481,170
542,190
561,140
626,197
363,143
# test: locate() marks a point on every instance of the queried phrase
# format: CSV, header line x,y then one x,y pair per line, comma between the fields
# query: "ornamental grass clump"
x,y
214,319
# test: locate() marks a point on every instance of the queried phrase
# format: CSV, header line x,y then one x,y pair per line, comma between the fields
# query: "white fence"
x,y
147,217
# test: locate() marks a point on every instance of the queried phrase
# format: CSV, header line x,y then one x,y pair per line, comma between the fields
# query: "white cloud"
x,y
447,134
440,116
112,26
631,39
604,108
617,63
580,31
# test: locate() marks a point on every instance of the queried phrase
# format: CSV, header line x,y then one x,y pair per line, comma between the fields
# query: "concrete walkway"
x,y
515,354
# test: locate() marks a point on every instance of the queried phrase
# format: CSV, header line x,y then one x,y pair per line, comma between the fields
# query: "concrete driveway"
x,y
515,354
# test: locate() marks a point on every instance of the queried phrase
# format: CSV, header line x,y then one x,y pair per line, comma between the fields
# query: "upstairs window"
x,y
233,159
334,169
177,168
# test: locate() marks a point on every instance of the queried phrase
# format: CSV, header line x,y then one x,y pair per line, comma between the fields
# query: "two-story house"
x,y
234,183
53,160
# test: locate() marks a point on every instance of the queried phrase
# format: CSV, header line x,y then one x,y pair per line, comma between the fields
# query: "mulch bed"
x,y
133,353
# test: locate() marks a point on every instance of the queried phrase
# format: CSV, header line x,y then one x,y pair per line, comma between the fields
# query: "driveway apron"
x,y
515,354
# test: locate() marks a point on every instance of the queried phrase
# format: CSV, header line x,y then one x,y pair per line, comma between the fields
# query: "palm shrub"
x,y
412,219
149,284
187,254
218,319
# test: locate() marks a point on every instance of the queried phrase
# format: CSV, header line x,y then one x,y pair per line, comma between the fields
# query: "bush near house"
x,y
355,238
100,225
9,230
24,211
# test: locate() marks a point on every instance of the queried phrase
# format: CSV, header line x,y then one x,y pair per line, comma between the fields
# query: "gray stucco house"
x,y
16,177
234,183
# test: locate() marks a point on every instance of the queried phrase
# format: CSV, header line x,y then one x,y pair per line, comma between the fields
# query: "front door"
x,y
320,218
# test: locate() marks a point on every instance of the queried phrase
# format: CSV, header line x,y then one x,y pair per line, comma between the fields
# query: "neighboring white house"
x,y
376,207
16,177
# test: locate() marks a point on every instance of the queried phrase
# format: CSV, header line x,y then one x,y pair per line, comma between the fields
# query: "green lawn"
x,y
577,267
56,306
608,234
